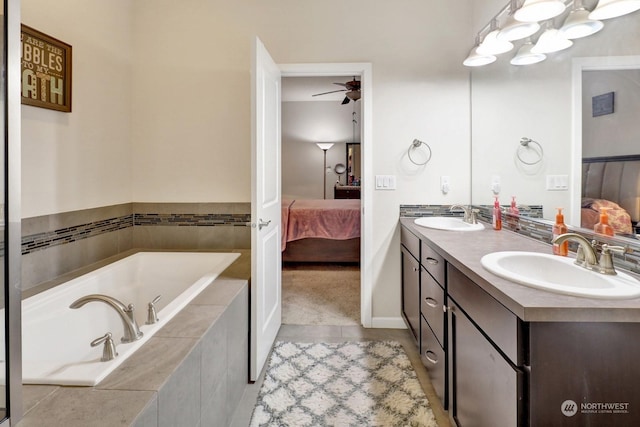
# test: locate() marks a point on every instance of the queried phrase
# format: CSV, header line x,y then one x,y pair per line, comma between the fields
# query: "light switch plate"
x,y
385,182
557,182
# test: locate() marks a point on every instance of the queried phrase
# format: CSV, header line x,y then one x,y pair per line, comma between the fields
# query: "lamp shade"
x,y
477,60
551,41
613,8
324,145
578,24
517,30
526,57
491,45
539,10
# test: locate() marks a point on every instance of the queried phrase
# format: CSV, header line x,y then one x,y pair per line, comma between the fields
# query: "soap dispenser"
x,y
603,226
497,215
560,228
514,213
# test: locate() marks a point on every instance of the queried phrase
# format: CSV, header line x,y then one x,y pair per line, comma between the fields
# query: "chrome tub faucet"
x,y
131,330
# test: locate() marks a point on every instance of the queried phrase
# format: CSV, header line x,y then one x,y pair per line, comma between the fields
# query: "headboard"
x,y
614,178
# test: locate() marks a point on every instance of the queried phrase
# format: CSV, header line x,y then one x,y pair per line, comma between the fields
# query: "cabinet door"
x,y
411,292
485,389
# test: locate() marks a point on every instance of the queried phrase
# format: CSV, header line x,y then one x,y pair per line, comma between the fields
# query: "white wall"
x,y
81,159
611,134
304,124
184,102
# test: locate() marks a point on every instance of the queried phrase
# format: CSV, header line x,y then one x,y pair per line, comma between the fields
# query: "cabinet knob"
x,y
415,268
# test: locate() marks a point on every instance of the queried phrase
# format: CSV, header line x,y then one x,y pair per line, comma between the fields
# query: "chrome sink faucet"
x,y
469,213
587,255
131,330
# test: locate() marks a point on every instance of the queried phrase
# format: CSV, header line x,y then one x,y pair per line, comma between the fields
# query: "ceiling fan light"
x,y
477,60
539,10
579,25
526,57
491,45
517,30
613,8
551,41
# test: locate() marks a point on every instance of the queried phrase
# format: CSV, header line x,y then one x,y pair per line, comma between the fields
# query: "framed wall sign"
x,y
602,104
46,71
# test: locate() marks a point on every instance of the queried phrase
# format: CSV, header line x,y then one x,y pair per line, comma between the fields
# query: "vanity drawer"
x,y
433,263
431,304
410,241
495,320
433,358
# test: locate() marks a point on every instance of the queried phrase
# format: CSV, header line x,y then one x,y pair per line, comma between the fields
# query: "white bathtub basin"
x,y
448,223
56,338
559,275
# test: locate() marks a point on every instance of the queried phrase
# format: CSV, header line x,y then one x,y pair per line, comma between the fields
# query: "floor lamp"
x,y
324,146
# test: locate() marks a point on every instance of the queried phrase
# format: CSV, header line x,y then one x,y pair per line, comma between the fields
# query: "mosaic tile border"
x,y
190,220
537,228
40,241
45,240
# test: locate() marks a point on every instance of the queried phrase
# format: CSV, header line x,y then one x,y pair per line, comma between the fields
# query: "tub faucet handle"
x,y
152,316
109,349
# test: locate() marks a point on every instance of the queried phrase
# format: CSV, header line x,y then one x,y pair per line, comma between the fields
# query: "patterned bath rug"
x,y
370,383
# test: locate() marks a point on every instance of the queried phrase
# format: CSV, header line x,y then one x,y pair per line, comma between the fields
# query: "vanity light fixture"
x,y
512,29
477,60
526,57
551,41
613,8
539,10
578,24
492,45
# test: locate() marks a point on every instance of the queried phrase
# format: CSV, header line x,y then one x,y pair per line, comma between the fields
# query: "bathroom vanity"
x,y
503,354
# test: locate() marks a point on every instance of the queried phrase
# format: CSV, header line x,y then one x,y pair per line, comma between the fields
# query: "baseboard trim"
x,y
388,323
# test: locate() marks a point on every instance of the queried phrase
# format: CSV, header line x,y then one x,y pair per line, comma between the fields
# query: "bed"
x,y
612,183
321,230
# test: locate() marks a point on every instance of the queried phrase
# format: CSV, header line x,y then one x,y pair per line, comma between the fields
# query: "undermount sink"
x,y
449,223
560,275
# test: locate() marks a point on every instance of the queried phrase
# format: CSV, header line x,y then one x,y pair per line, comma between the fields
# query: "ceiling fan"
x,y
352,89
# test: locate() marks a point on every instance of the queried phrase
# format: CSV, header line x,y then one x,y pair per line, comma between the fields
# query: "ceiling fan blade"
x,y
345,100
333,91
340,84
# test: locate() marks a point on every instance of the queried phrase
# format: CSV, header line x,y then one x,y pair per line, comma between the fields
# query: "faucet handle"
x,y
152,316
109,349
606,259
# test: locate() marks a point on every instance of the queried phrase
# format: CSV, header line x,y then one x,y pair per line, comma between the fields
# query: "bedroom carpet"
x,y
320,294
369,383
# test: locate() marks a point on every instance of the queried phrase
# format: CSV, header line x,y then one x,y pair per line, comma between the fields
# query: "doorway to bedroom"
x,y
322,185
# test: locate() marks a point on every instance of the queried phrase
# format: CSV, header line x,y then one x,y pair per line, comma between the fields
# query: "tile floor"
x,y
303,333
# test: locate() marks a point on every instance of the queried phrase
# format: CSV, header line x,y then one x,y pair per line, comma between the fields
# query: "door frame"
x,y
364,70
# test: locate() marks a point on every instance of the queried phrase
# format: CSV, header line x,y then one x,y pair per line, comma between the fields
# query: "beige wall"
x,y
81,159
303,124
173,124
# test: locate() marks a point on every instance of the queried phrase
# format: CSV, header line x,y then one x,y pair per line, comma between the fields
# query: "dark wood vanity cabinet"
x,y
423,303
490,368
346,192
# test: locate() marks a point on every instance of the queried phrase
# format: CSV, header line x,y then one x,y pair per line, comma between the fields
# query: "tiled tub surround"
x,y
190,373
537,228
53,245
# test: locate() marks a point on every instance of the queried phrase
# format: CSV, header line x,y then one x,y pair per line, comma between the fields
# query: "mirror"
x,y
540,102
354,170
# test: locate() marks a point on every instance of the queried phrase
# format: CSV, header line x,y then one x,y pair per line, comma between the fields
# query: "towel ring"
x,y
524,142
414,145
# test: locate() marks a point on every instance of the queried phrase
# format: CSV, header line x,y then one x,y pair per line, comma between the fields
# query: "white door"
x,y
266,268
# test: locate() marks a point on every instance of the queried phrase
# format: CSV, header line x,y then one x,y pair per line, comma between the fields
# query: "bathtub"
x,y
56,339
